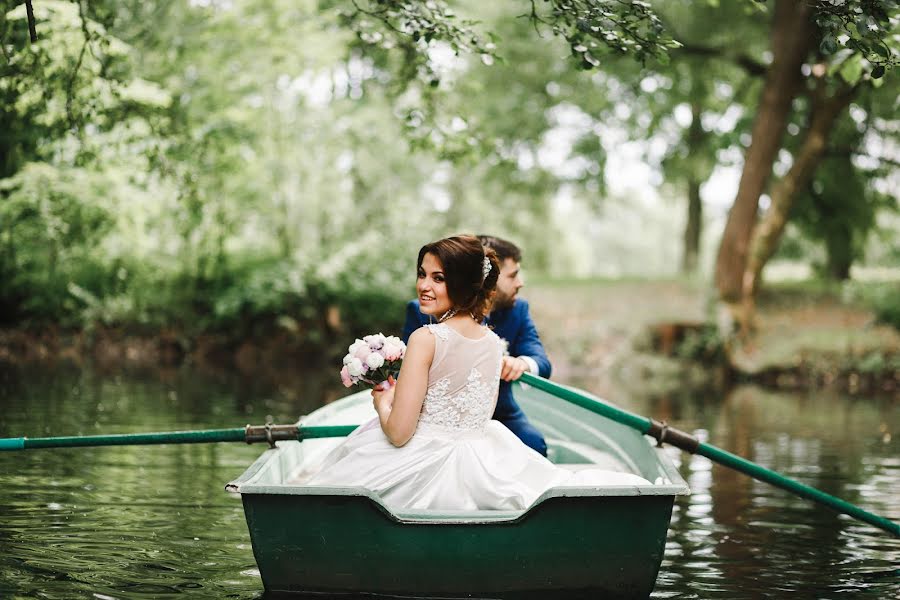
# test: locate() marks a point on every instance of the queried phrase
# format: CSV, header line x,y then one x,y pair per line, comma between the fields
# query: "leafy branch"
x,y
860,25
596,27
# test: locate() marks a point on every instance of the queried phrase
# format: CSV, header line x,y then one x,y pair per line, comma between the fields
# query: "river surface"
x,y
155,521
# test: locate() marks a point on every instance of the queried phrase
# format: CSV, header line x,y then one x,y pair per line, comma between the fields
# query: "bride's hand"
x,y
383,399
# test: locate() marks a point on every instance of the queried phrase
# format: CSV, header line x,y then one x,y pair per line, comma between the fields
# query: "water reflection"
x,y
139,522
735,537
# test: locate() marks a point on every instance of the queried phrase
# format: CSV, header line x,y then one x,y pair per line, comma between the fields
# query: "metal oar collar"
x,y
269,433
663,434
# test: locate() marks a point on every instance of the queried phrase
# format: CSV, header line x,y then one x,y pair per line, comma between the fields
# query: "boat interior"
x,y
576,438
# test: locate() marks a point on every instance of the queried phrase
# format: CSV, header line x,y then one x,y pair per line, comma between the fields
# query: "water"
x,y
154,521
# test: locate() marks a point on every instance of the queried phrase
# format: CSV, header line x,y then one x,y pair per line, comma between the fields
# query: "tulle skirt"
x,y
446,469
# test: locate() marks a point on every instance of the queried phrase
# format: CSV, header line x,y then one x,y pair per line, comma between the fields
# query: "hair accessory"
x,y
447,315
485,268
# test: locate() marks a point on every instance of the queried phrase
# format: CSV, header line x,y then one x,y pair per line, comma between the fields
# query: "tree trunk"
x,y
791,40
692,228
695,208
766,236
839,255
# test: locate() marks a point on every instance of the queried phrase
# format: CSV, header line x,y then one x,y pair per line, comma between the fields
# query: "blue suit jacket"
x,y
513,324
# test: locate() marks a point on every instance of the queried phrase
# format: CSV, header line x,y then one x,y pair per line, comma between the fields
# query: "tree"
x,y
711,78
791,39
797,29
56,179
840,205
254,172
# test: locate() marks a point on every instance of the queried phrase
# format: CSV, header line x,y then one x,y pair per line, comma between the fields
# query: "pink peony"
x,y
392,351
345,377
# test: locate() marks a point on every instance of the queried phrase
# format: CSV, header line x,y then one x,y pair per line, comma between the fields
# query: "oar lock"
x,y
269,433
663,434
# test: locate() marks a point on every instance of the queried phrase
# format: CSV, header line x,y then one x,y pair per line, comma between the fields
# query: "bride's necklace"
x,y
451,313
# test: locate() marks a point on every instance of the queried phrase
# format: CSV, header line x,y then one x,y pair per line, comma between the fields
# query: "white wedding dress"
x,y
458,458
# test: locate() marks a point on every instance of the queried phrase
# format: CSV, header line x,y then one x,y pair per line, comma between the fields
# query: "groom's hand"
x,y
512,368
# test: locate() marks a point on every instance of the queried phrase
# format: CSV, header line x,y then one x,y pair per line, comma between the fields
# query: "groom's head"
x,y
510,280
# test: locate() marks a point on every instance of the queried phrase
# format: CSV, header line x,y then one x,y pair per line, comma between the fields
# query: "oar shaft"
x,y
129,439
247,434
756,471
609,411
325,431
686,442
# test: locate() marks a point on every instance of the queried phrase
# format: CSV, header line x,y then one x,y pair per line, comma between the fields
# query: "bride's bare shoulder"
x,y
421,337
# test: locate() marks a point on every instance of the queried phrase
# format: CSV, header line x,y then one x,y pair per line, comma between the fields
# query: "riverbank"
x,y
659,333
651,333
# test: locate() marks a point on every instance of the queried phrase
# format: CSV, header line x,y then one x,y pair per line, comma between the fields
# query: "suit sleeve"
x,y
413,320
529,344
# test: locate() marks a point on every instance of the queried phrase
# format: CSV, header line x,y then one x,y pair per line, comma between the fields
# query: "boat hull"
x,y
590,542
587,547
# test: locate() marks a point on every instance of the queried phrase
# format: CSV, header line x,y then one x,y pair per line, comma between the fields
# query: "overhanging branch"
x,y
746,62
32,30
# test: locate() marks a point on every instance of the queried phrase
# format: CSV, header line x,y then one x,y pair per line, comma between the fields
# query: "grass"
x,y
590,325
814,322
587,325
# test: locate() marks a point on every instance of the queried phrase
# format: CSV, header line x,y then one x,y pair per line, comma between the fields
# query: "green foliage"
x,y
839,209
859,34
885,302
409,27
63,93
255,167
594,29
704,345
51,223
877,363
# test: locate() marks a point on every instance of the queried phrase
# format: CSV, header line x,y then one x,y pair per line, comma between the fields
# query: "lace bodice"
x,y
463,379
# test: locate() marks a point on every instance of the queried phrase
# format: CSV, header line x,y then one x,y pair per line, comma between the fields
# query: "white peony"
x,y
375,341
374,360
355,367
347,359
356,346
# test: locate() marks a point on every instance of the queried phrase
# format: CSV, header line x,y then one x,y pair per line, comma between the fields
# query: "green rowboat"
x,y
591,542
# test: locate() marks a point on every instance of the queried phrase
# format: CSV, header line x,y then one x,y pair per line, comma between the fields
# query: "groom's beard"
x,y
502,301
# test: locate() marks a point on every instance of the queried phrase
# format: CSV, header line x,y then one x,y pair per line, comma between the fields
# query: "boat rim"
x,y
245,485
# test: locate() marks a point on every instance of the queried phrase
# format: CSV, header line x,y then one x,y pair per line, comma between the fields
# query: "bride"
x,y
434,444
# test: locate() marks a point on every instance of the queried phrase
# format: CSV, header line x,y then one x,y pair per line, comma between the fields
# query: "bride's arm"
x,y
399,407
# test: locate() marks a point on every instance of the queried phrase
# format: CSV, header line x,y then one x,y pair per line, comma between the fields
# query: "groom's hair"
x,y
462,259
504,248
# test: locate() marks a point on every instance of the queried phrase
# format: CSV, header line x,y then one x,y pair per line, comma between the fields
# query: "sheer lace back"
x,y
463,380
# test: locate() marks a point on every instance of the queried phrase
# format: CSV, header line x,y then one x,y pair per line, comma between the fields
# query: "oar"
x,y
665,434
248,434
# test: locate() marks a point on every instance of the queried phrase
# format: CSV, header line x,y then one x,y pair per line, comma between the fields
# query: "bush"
x,y
886,304
703,345
882,297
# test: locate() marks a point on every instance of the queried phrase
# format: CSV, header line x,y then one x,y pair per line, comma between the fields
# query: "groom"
x,y
509,318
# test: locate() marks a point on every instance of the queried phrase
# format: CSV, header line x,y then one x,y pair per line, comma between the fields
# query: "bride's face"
x,y
431,287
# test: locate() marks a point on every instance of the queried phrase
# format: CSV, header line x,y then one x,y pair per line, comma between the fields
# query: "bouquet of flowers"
x,y
372,360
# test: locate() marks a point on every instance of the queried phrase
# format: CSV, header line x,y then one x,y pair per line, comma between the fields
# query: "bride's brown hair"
x,y
462,258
